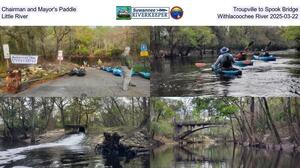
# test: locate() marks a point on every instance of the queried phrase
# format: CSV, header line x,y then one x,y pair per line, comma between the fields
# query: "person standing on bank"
x,y
126,65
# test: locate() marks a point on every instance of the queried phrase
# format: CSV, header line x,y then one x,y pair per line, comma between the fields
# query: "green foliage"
x,y
116,53
292,34
84,51
196,37
141,68
215,106
162,128
86,41
100,52
22,116
185,40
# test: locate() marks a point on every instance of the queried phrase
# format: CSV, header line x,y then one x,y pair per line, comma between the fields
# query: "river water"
x,y
72,151
180,77
221,156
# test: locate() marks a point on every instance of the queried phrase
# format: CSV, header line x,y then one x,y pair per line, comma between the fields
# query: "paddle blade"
x,y
200,65
268,45
250,44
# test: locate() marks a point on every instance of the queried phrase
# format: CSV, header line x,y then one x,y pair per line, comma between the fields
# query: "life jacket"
x,y
227,61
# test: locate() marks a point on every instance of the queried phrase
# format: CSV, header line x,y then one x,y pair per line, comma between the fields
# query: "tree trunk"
x,y
267,111
297,114
146,110
32,117
288,114
232,129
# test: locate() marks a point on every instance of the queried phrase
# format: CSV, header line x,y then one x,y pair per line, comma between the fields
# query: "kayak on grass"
x,y
264,58
229,72
145,75
243,63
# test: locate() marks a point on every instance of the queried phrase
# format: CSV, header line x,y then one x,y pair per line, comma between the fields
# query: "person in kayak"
x,y
126,65
265,53
242,55
225,59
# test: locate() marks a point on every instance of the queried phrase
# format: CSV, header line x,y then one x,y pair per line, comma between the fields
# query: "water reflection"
x,y
180,77
221,156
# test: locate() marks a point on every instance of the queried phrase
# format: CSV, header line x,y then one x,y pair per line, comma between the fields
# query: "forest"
x,y
101,42
175,41
27,117
250,121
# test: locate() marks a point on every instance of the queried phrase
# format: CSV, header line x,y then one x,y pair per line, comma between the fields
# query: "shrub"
x,y
100,52
116,53
162,128
83,51
140,68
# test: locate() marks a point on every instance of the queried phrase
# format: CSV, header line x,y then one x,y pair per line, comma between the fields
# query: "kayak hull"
x,y
264,58
117,72
145,75
81,73
77,72
231,72
108,69
243,63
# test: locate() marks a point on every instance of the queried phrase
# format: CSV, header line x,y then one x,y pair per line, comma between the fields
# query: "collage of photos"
x,y
150,96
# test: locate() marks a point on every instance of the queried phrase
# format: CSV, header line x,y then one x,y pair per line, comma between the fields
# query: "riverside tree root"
x,y
111,147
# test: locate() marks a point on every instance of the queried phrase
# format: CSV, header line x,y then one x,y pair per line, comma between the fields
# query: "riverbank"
x,y
47,137
285,146
51,136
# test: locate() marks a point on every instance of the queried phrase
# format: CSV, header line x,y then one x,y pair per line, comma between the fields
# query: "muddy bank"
x,y
49,136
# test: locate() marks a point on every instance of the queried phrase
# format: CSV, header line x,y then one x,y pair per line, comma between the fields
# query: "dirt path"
x,y
95,83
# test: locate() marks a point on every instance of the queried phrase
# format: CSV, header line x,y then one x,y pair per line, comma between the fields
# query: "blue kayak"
x,y
108,69
264,58
145,75
230,72
117,71
243,63
133,73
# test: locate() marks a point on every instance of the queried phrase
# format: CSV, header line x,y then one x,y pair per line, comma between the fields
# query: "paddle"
x,y
249,45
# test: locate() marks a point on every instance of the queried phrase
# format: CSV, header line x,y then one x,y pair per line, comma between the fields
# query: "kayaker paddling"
x,y
242,55
225,59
